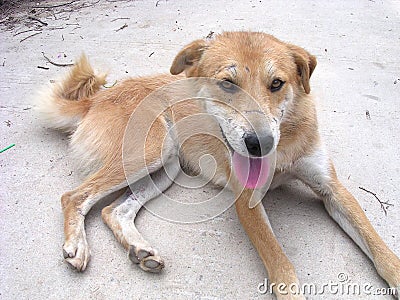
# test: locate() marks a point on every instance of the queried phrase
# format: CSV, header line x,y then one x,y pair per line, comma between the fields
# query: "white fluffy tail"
x,y
68,101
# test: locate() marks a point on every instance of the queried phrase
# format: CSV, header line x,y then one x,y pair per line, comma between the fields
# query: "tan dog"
x,y
276,75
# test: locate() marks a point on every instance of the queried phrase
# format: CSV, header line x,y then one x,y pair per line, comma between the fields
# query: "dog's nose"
x,y
259,145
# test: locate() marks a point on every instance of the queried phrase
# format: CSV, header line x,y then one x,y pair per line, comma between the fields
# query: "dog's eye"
x,y
276,85
227,85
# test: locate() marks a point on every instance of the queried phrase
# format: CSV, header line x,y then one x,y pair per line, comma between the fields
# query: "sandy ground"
x,y
357,86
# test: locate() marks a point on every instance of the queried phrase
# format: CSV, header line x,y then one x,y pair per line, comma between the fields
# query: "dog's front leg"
x,y
280,270
318,172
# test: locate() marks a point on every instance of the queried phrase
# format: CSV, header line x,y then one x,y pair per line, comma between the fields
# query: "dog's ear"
x,y
306,64
188,57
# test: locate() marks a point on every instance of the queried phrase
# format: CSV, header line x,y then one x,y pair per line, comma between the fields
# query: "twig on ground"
x,y
122,27
44,68
18,33
89,5
367,115
37,20
113,20
55,63
56,28
29,36
384,204
210,35
57,5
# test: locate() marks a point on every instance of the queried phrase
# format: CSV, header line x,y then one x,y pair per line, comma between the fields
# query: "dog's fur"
x,y
98,117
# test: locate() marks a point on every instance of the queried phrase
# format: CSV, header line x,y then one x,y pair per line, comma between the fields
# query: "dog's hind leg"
x,y
138,163
120,217
77,203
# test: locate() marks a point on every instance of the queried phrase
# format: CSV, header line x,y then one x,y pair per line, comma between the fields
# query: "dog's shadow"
x,y
308,234
294,212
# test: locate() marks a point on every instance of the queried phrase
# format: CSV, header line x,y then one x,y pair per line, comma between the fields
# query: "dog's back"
x,y
96,117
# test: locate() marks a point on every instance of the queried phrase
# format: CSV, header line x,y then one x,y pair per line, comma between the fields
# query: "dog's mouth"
x,y
252,172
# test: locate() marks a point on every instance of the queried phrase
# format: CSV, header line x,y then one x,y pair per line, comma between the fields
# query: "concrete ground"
x,y
357,86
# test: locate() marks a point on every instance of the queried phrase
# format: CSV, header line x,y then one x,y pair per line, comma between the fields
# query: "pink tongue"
x,y
252,172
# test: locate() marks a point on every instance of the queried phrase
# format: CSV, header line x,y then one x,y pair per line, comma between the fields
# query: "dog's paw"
x,y
138,252
153,264
147,257
76,253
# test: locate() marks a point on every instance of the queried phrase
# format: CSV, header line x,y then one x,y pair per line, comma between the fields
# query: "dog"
x,y
280,118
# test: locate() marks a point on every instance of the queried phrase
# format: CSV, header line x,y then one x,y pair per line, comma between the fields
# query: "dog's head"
x,y
256,81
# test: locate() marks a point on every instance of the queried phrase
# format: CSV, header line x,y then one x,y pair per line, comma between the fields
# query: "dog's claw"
x,y
147,258
132,255
65,253
77,253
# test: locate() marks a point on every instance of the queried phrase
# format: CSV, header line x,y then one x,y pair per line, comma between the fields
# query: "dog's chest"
x,y
206,159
